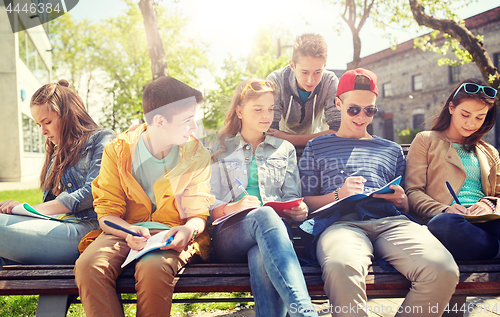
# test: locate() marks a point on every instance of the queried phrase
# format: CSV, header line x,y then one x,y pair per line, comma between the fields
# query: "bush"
x,y
407,135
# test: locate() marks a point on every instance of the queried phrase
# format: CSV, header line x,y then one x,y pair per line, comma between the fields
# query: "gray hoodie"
x,y
291,114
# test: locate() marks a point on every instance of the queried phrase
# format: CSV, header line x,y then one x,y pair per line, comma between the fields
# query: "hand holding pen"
x,y
247,201
457,208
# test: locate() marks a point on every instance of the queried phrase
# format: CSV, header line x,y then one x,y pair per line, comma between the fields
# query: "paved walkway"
x,y
477,307
19,185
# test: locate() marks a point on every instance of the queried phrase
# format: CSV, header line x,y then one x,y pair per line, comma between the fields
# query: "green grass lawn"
x,y
30,196
21,306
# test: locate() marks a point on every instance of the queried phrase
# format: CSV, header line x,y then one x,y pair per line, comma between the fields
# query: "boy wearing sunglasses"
x,y
306,93
350,162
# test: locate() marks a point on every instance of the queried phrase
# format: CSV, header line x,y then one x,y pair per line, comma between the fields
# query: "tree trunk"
x,y
464,36
356,44
156,51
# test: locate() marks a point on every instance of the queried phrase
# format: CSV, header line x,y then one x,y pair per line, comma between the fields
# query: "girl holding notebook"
x,y
454,152
251,168
73,151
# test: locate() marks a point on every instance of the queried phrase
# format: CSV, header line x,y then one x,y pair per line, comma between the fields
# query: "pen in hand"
x,y
452,192
240,185
118,227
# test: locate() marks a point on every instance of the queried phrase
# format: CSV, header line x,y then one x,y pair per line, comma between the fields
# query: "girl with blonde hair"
x,y
267,169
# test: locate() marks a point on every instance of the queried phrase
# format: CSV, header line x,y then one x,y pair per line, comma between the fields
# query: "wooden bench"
x,y
57,289
56,286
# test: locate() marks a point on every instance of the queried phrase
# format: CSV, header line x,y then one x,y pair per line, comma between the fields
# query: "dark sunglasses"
x,y
355,110
472,88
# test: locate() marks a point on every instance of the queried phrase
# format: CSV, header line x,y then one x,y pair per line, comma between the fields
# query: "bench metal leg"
x,y
456,306
53,305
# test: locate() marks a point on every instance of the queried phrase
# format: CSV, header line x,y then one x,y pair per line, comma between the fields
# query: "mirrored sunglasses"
x,y
355,110
472,88
259,86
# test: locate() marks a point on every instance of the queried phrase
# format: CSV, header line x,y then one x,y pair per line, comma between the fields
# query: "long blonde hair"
x,y
232,124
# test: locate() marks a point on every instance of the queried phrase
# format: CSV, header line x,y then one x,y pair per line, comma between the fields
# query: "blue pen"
x,y
240,185
118,227
452,192
169,240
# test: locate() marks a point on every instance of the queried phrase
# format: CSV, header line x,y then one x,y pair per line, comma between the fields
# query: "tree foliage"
x,y
384,14
117,50
262,61
75,52
466,46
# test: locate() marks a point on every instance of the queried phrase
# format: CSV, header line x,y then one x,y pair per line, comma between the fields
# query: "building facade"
x,y
24,67
413,88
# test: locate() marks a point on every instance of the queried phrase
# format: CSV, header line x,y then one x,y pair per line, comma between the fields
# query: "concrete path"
x,y
19,185
477,307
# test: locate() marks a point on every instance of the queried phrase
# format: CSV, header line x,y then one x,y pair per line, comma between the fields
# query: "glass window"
x,y
454,74
31,57
387,87
32,136
418,120
22,46
26,133
417,82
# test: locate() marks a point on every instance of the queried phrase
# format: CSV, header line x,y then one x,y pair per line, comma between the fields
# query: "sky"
x,y
229,25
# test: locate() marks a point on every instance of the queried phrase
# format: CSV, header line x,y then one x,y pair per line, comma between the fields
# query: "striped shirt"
x,y
328,160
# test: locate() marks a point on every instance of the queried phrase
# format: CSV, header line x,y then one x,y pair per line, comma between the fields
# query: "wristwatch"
x,y
195,233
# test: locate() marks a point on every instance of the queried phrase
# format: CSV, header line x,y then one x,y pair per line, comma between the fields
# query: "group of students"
x,y
158,176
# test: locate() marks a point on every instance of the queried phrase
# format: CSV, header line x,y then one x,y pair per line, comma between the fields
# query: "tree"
x,y
382,13
262,61
125,60
156,51
456,33
74,53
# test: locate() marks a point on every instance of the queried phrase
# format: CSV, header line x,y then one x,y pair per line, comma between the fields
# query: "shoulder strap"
x,y
229,184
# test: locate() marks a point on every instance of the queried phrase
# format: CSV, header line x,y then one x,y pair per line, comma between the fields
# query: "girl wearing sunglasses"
x,y
453,151
267,169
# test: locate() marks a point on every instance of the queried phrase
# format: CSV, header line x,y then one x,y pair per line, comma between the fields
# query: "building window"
x,y
32,136
387,89
31,57
418,121
416,82
454,72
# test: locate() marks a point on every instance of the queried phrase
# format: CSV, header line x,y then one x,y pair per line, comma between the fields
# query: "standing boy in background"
x,y
306,93
153,177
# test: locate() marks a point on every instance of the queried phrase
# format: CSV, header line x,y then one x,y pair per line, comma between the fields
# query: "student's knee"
x,y
441,269
444,223
264,215
88,270
152,266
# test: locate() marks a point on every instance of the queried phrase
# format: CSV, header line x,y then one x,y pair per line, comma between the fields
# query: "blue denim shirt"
x,y
77,179
278,174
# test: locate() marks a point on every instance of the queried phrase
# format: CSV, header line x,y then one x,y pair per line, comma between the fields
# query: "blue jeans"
x,y
465,240
27,240
260,236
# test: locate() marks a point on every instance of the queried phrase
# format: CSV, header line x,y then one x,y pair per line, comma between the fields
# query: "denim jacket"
x,y
278,174
77,179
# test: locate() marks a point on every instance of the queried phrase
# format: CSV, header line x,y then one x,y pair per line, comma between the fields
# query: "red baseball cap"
x,y
348,81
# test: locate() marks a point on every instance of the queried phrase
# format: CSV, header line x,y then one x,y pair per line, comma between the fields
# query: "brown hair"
x,y
164,91
443,120
232,124
76,128
309,44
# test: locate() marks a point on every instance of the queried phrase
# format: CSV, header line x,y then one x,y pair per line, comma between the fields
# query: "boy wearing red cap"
x,y
346,241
